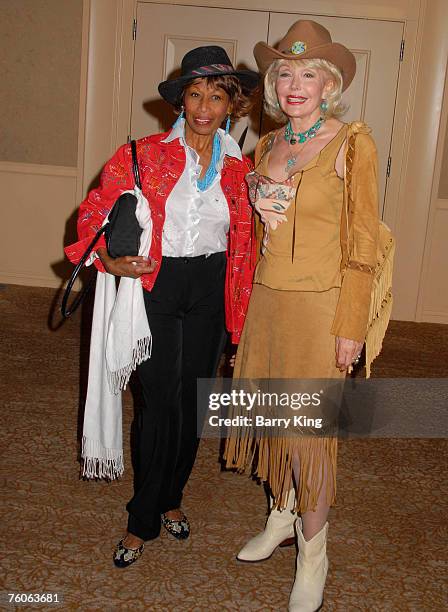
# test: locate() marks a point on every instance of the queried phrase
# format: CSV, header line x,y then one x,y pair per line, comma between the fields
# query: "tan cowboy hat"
x,y
308,40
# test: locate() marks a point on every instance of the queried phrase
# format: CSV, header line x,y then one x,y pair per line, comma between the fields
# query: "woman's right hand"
x,y
131,266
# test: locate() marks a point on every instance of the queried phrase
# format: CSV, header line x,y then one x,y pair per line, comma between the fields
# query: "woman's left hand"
x,y
346,352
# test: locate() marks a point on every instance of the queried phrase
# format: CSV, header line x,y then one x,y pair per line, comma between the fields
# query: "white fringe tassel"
x,y
100,462
118,380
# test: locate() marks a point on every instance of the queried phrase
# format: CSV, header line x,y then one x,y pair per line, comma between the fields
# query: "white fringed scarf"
x,y
120,341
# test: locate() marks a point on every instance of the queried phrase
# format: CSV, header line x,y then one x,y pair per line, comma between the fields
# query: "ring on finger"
x,y
356,360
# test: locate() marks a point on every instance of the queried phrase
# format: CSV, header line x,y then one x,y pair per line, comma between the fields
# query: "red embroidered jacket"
x,y
161,165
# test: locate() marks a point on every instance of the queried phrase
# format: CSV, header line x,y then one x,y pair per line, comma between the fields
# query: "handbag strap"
x,y
65,311
243,138
135,167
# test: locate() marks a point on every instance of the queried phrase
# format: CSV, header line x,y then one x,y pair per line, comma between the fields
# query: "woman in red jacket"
x,y
196,278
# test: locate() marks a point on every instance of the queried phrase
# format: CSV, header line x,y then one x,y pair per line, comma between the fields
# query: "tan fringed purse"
x,y
381,296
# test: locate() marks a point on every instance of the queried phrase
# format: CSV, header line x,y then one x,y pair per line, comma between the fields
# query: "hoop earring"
x,y
228,124
324,106
179,119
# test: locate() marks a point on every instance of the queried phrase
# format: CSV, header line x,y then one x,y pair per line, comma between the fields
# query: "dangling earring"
x,y
179,119
324,106
276,104
228,124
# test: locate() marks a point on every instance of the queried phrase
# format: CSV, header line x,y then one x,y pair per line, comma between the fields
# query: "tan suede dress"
x,y
287,333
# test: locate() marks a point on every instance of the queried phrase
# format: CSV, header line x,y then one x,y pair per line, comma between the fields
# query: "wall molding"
x,y
430,316
29,279
438,203
38,169
361,9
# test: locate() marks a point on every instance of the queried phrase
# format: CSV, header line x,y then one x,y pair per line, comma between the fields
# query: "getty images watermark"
x,y
255,404
379,408
265,407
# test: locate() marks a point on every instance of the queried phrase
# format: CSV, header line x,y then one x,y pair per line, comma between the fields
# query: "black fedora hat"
x,y
203,62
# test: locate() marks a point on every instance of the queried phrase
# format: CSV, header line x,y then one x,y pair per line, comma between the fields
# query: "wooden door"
x,y
165,33
371,96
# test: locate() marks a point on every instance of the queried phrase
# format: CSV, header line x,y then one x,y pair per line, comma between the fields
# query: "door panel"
x,y
371,96
165,33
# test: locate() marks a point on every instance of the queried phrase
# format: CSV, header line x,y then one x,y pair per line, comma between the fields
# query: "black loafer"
x,y
178,529
123,557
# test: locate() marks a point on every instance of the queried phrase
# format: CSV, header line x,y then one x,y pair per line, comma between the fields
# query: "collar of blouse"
x,y
229,146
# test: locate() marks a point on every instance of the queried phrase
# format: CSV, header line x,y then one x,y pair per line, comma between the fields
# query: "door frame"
x,y
108,108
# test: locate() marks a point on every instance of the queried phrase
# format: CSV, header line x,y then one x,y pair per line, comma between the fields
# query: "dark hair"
x,y
241,99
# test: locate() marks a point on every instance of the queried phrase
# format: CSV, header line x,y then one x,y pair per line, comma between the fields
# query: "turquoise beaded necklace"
x,y
301,137
294,137
211,173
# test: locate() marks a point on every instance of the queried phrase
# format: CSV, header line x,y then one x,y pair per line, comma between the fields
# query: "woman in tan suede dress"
x,y
307,317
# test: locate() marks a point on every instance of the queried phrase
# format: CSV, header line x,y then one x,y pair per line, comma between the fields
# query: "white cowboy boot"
x,y
279,531
312,566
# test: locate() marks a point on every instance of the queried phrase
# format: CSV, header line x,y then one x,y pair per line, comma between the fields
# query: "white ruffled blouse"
x,y
197,222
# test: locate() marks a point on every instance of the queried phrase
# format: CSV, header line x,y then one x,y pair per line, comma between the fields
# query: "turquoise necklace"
x,y
294,137
301,137
209,176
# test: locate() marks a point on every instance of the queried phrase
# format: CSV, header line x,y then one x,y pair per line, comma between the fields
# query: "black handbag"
x,y
122,234
123,231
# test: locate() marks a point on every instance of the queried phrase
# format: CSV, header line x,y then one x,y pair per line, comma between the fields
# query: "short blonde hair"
x,y
333,99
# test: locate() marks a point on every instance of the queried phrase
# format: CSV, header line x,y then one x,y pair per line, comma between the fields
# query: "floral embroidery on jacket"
x,y
161,165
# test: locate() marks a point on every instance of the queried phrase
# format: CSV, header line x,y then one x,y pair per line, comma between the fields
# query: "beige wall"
x,y
413,225
433,294
40,80
44,64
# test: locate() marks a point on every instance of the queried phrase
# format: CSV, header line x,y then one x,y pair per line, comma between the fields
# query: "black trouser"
x,y
186,315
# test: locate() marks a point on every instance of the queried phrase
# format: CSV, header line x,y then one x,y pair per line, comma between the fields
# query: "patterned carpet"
x,y
387,538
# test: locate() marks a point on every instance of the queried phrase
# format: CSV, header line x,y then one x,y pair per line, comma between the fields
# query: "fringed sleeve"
x,y
352,313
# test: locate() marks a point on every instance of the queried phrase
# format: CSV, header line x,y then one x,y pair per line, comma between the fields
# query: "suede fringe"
x,y
271,460
381,297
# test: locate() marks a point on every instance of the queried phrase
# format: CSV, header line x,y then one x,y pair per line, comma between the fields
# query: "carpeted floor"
x,y
387,539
